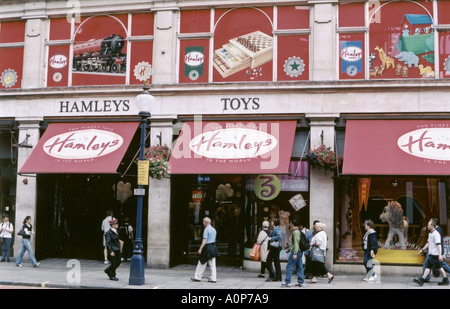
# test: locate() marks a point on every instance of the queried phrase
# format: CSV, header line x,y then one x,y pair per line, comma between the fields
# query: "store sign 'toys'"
x,y
267,187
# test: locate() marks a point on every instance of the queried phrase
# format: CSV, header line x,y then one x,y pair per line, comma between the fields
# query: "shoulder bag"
x,y
255,253
317,255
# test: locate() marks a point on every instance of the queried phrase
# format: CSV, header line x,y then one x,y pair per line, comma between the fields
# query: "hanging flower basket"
x,y
324,158
159,161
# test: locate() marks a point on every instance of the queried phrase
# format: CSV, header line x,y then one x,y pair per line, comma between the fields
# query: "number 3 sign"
x,y
267,187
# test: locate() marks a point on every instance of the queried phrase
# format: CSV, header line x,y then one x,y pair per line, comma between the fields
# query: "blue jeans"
x,y
26,247
6,248
295,263
444,265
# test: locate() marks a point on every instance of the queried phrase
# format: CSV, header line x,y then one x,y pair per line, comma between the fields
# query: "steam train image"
x,y
100,55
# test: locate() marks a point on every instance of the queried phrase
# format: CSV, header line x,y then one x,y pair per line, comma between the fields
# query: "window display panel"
x,y
444,54
351,14
351,56
293,57
400,208
12,32
195,21
243,45
293,17
100,51
194,61
401,36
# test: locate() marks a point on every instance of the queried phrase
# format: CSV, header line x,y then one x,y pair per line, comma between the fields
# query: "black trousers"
x,y
115,263
274,257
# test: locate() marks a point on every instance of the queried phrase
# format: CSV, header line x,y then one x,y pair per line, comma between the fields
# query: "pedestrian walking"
x,y
370,246
319,241
263,240
126,236
273,258
208,252
113,247
307,265
26,232
105,228
295,256
6,230
435,258
444,264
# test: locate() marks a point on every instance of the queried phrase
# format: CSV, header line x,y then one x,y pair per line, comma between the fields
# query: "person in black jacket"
x,y
370,246
113,247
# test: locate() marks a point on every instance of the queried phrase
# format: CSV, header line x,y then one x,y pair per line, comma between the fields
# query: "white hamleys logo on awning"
x,y
83,144
428,143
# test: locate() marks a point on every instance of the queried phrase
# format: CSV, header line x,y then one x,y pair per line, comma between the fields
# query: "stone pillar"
x,y
158,239
34,50
323,29
321,192
164,47
26,190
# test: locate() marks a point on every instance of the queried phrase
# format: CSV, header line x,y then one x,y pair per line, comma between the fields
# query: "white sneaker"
x,y
106,262
37,264
372,278
19,265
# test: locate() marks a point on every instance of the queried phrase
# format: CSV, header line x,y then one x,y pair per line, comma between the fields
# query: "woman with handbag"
x,y
263,240
274,252
318,252
26,232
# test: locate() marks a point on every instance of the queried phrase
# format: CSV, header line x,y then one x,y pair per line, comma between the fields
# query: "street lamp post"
x,y
144,102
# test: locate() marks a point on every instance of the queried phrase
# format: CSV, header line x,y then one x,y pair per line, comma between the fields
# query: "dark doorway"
x,y
71,209
219,197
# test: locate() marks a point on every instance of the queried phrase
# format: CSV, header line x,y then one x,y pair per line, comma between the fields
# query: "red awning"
x,y
397,147
233,148
81,148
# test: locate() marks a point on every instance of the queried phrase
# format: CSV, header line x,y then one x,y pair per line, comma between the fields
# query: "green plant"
x,y
158,156
323,157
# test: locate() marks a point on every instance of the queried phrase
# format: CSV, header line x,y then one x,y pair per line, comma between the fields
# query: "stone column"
x,y
158,238
323,29
164,48
321,192
34,50
26,190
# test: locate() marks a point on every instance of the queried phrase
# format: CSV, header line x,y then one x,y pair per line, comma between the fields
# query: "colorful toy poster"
x,y
402,42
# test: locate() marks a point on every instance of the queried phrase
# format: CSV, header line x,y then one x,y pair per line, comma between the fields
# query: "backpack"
x,y
304,244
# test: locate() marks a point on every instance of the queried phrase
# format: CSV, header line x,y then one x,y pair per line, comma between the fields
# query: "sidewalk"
x,y
88,274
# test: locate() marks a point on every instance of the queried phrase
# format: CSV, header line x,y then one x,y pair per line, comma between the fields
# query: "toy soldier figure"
x,y
113,247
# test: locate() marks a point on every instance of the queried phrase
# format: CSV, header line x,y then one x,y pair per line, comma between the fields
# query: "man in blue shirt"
x,y
208,252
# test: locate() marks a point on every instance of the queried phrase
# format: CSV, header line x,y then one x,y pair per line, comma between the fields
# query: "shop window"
x,y
277,196
244,43
400,208
12,37
106,50
401,38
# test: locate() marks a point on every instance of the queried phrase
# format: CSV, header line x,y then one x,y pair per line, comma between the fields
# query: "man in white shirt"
x,y
435,254
6,230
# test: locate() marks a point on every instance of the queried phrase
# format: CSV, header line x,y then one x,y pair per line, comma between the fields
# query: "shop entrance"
x,y
70,211
219,197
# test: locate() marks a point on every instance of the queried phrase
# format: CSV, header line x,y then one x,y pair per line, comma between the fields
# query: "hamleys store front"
x,y
396,173
238,173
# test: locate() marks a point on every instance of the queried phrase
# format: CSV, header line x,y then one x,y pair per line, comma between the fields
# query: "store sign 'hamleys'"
x,y
83,144
233,143
427,143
